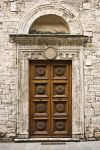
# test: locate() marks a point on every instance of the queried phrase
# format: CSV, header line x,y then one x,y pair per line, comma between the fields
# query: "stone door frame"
x,y
26,53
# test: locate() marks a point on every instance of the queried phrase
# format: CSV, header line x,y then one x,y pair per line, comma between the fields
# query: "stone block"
x,y
13,7
97,112
97,13
86,5
88,33
89,112
88,62
1,14
97,98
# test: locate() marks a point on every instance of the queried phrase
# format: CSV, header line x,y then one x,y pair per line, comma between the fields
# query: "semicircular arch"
x,y
41,10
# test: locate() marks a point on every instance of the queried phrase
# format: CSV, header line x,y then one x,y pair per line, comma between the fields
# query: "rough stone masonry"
x,y
11,13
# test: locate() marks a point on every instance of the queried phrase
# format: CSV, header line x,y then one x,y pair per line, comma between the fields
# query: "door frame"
x,y
32,52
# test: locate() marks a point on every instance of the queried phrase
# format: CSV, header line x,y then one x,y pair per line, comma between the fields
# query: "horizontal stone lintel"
x,y
49,39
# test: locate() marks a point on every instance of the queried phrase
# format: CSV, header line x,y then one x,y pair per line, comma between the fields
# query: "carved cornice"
x,y
49,39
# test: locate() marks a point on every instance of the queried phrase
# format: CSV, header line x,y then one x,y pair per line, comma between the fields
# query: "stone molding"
x,y
50,39
30,53
36,52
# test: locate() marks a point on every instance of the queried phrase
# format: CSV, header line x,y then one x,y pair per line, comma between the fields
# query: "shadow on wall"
x,y
49,24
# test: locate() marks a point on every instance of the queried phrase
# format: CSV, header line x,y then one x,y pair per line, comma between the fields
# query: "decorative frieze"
x,y
61,54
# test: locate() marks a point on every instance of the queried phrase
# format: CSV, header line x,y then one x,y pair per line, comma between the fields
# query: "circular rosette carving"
x,y
60,125
50,53
40,90
60,89
60,108
41,126
40,71
41,108
59,71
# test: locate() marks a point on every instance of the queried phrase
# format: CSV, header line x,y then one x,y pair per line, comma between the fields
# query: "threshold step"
x,y
18,140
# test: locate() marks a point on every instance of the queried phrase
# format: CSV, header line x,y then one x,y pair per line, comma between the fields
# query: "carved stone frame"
x,y
36,52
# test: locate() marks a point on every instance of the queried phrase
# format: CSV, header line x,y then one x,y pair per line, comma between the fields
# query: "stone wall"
x,y
11,13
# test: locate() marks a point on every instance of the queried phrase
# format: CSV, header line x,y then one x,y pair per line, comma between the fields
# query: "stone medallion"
x,y
50,53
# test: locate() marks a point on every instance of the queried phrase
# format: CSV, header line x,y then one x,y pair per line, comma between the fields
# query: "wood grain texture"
x,y
50,106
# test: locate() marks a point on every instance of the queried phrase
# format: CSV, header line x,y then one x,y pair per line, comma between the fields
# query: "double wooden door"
x,y
50,107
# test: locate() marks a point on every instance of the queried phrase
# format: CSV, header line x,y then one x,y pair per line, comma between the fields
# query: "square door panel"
x,y
40,71
59,71
40,90
59,89
41,126
60,126
40,108
60,108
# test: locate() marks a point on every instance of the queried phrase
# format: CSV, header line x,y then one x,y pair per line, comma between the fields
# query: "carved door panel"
x,y
50,99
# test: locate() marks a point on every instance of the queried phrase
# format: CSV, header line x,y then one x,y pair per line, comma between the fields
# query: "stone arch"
x,y
34,13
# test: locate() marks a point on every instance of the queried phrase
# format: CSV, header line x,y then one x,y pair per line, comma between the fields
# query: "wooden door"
x,y
50,108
